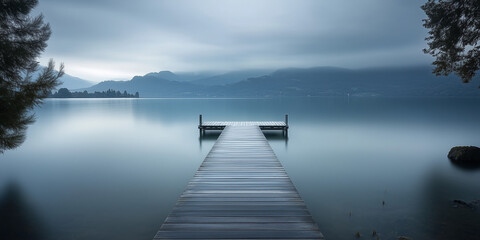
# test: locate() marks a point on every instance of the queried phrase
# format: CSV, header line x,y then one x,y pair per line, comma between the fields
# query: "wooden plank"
x,y
241,203
242,207
254,219
240,213
240,191
245,123
286,234
264,226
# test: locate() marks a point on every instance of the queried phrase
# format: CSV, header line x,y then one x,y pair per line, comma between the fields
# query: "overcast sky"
x,y
111,39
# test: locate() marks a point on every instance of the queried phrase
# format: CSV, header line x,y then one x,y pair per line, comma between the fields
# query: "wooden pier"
x,y
240,191
264,125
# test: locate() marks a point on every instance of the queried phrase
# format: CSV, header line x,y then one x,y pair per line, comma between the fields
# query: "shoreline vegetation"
x,y
110,93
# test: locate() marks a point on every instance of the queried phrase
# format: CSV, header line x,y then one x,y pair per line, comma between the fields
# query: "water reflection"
x,y
466,166
208,136
442,218
18,220
113,169
277,136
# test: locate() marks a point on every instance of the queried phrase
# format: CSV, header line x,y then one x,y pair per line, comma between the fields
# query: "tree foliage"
x,y
22,40
110,93
454,33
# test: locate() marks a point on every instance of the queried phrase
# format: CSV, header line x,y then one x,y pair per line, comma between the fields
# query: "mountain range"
x,y
66,81
71,82
296,82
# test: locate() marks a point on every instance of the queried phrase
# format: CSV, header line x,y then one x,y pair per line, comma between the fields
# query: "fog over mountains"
x,y
71,82
296,82
66,81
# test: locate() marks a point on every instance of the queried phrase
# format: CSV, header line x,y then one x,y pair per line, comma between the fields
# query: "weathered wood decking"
x,y
241,191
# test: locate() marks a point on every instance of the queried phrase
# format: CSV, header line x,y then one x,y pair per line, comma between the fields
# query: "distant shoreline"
x,y
110,93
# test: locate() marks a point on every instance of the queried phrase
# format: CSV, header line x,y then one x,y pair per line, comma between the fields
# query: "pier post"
x,y
286,125
200,124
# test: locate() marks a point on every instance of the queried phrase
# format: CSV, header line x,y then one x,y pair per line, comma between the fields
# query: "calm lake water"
x,y
114,168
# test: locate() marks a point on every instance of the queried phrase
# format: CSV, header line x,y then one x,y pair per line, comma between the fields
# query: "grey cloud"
x,y
197,35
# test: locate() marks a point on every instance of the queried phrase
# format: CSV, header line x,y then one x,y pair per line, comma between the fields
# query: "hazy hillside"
x,y
319,81
68,81
151,85
179,77
330,81
230,77
72,82
209,79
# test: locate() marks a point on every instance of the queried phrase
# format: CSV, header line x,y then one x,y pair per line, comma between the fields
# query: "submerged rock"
x,y
404,238
465,155
471,205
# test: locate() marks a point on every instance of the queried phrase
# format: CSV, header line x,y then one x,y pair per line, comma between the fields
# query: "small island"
x,y
110,93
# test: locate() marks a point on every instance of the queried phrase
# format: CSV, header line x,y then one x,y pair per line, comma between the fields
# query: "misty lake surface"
x,y
114,168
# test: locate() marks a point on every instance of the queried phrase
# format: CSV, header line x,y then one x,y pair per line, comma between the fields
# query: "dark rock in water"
x,y
404,238
465,155
462,204
471,205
